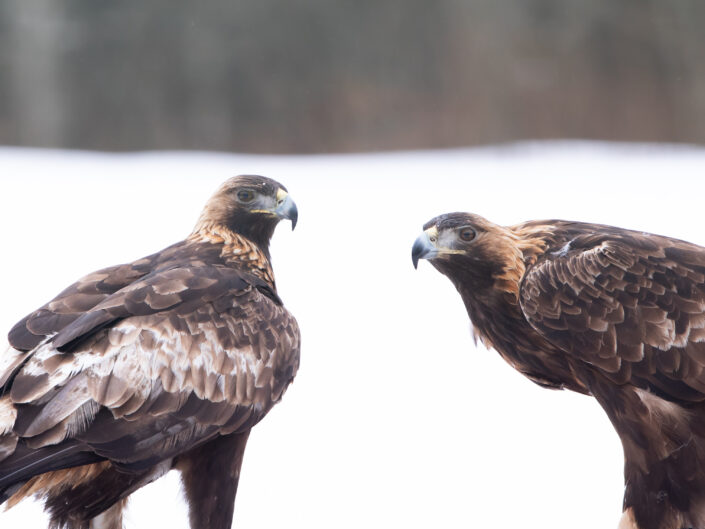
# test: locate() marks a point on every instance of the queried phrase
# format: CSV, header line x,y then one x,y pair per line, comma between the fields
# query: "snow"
x,y
396,419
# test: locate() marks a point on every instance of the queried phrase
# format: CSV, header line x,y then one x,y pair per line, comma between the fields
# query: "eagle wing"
x,y
156,367
630,304
81,296
66,307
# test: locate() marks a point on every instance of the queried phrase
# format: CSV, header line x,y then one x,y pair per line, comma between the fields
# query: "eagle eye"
x,y
467,234
245,195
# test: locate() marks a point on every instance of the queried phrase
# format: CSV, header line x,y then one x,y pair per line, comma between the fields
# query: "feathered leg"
x,y
664,453
210,474
110,519
627,521
90,497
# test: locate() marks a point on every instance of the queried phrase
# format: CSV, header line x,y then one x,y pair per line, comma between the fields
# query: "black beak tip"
x,y
294,217
417,252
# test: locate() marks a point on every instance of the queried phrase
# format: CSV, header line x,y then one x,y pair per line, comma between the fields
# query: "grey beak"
x,y
423,249
286,209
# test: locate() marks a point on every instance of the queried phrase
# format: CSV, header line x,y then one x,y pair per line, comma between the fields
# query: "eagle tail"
x,y
25,463
98,492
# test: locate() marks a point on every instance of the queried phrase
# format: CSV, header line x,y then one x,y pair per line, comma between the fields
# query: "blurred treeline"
x,y
348,75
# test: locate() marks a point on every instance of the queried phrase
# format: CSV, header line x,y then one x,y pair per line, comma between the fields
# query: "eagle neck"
x,y
492,312
236,250
499,323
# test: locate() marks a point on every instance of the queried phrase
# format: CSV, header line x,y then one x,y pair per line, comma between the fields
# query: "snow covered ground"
x,y
396,418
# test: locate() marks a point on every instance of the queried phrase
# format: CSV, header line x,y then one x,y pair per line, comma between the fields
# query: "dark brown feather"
x,y
137,365
614,313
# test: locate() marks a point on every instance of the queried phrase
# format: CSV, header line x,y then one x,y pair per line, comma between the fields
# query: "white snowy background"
x,y
396,418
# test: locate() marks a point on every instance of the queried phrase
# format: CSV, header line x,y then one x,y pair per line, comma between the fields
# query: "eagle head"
x,y
472,251
250,205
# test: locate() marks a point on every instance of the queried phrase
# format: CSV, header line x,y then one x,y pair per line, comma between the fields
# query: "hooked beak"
x,y
286,208
423,249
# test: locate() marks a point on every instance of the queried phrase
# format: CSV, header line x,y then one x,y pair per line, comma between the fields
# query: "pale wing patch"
x,y
218,357
10,359
173,286
49,368
76,423
8,444
66,401
8,414
627,521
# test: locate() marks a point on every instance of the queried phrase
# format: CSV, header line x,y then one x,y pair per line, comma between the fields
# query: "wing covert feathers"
x,y
633,306
235,352
78,298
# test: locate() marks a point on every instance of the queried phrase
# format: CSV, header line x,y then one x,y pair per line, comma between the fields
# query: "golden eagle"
x,y
608,312
164,363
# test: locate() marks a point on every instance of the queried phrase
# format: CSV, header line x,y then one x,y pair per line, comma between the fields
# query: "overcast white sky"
x,y
396,418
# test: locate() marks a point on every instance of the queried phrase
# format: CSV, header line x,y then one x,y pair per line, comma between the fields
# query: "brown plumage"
x,y
166,362
613,313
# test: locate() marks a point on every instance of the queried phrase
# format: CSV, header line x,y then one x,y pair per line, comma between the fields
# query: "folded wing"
x,y
151,369
631,305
